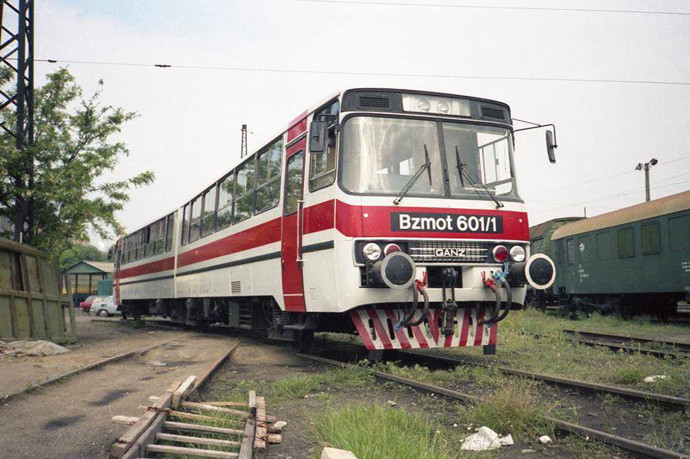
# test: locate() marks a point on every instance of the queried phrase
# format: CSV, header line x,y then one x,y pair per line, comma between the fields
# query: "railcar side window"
x,y
268,180
604,244
293,182
169,232
195,221
586,248
650,235
225,190
679,233
322,167
625,238
244,191
208,218
185,225
571,251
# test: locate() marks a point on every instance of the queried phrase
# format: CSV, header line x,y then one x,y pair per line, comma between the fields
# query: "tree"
x,y
52,189
79,252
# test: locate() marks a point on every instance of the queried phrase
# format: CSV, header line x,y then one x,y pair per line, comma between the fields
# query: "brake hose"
x,y
425,311
497,307
509,303
410,315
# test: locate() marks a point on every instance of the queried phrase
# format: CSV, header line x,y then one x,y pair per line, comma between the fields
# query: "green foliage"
x,y
77,253
58,178
376,431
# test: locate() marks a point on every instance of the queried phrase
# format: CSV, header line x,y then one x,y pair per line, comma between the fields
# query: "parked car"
x,y
86,304
104,307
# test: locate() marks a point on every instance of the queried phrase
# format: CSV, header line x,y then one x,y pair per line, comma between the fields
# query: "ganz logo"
x,y
450,253
455,223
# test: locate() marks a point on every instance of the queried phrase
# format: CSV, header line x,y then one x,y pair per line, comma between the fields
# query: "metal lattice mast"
x,y
243,150
17,59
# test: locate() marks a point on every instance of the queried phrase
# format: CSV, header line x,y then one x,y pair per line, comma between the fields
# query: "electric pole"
x,y
646,166
243,150
17,55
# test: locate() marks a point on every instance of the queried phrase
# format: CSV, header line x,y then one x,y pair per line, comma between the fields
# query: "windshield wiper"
x,y
410,183
463,171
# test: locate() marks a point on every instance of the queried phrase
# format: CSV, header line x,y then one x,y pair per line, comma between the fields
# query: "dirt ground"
x,y
72,419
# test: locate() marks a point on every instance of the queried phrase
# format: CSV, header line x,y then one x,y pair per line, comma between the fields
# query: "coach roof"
x,y
668,205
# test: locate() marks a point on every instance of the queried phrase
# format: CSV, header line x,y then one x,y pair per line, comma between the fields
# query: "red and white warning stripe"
x,y
376,328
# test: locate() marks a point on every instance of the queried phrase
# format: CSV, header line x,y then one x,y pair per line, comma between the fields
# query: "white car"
x,y
104,306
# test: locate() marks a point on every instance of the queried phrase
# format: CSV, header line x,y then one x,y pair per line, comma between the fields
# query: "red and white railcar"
x,y
394,214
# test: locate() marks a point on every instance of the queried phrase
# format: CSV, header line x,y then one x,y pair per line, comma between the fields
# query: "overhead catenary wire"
x,y
362,73
499,7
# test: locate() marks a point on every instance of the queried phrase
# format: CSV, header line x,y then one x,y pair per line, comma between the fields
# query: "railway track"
x,y
632,446
642,396
630,344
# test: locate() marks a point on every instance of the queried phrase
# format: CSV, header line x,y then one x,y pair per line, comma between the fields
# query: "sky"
x,y
289,55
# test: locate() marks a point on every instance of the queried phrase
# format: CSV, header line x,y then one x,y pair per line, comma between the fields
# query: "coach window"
x,y
185,225
208,218
571,251
268,179
244,191
604,244
160,239
322,167
678,231
195,220
293,182
650,235
625,238
225,187
169,232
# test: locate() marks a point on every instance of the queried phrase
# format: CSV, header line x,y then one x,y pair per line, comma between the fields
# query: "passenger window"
x,y
225,190
604,245
208,219
626,242
244,191
322,167
679,233
571,251
650,234
169,233
195,221
293,182
268,180
185,225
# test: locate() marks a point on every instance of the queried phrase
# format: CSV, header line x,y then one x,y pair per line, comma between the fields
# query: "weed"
x,y
377,431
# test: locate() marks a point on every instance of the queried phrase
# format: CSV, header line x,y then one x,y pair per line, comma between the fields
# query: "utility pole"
x,y
17,55
646,166
243,150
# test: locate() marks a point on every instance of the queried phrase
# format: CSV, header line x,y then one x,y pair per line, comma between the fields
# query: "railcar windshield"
x,y
379,155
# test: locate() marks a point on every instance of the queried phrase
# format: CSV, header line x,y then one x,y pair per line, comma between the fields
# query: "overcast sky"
x,y
188,131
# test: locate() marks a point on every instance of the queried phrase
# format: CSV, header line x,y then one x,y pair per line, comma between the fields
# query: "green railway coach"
x,y
636,259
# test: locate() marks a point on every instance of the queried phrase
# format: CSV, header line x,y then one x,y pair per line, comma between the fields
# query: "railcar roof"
x,y
668,205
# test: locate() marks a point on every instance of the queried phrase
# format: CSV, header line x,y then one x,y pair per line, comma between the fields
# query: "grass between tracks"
x,y
555,353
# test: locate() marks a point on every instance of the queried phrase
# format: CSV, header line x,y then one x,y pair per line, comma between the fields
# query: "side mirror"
x,y
550,147
318,137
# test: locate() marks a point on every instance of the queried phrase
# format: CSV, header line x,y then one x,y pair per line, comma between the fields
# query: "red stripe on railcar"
x,y
148,268
350,221
297,126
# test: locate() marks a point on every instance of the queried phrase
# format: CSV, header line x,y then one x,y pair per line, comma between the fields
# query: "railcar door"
x,y
291,244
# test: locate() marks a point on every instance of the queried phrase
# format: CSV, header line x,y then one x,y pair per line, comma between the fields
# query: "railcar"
x,y
634,260
393,214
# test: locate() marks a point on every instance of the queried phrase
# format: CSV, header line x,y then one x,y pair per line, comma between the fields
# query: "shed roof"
x,y
102,266
668,205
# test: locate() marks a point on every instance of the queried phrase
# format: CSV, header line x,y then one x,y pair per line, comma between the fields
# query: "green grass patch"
x,y
381,432
512,409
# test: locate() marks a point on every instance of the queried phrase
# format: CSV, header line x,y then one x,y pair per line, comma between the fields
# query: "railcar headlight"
x,y
442,106
371,251
500,253
390,248
423,105
517,253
